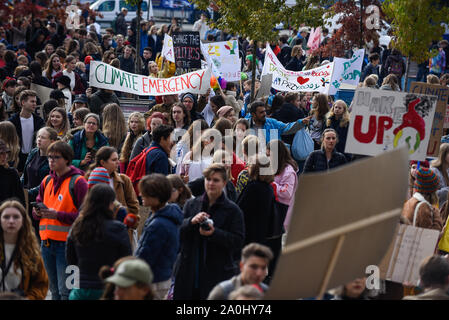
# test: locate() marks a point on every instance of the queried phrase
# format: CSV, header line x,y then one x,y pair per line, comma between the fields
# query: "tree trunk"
x,y
253,79
407,68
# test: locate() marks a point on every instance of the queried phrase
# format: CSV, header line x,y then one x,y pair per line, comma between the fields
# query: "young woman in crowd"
x,y
23,270
36,166
136,129
159,243
421,210
250,147
189,101
286,178
318,121
124,281
95,240
9,135
10,186
338,119
54,66
240,131
86,142
58,120
258,204
180,191
114,125
107,157
195,161
441,168
327,157
186,143
412,176
179,119
222,157
154,121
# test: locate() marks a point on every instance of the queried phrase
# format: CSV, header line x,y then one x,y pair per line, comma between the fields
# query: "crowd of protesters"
x,y
174,203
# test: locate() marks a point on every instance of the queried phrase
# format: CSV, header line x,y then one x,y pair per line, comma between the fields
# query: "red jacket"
x,y
79,87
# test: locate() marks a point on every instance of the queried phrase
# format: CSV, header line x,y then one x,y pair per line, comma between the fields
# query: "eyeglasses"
x,y
91,123
54,157
5,153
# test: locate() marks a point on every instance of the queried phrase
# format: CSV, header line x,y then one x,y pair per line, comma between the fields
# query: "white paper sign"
x,y
347,71
105,76
224,58
313,80
382,120
167,50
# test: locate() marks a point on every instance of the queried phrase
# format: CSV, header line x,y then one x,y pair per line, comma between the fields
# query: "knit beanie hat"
x,y
424,163
98,175
426,181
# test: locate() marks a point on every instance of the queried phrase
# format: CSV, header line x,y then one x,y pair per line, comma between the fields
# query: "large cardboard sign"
x,y
337,232
410,246
187,51
224,56
442,93
313,80
347,71
383,120
105,76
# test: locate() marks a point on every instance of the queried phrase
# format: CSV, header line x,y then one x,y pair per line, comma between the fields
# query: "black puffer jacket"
x,y
316,161
114,245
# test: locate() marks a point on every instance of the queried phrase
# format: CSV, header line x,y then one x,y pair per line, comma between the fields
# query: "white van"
x,y
109,9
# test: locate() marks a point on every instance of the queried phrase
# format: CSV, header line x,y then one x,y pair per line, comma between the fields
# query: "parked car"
x,y
109,9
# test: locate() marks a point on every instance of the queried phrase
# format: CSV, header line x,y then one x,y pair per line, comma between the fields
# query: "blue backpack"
x,y
302,145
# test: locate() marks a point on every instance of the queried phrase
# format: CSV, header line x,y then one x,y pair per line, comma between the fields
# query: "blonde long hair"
x,y
28,251
345,117
114,124
440,162
9,135
130,138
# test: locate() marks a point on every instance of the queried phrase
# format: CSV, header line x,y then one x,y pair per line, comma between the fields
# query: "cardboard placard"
x,y
410,246
187,51
265,86
343,220
382,120
442,93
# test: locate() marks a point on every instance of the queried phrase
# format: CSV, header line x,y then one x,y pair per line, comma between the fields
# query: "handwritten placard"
x,y
313,80
411,246
187,51
347,71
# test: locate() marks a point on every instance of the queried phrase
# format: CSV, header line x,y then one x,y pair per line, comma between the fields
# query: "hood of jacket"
x,y
57,181
171,212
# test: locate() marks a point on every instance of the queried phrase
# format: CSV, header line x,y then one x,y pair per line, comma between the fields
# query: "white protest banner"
x,y
224,57
383,120
312,80
167,50
104,76
347,71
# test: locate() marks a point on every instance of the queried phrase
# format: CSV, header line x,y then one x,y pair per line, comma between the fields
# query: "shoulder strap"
x,y
421,200
72,188
227,287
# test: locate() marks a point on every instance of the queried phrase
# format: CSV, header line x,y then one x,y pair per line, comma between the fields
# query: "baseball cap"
x,y
57,94
82,98
131,271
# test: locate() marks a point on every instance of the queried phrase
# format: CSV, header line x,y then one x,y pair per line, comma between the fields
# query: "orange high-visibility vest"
x,y
54,229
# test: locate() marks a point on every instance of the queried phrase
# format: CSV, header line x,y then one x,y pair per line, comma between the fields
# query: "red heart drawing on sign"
x,y
302,80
